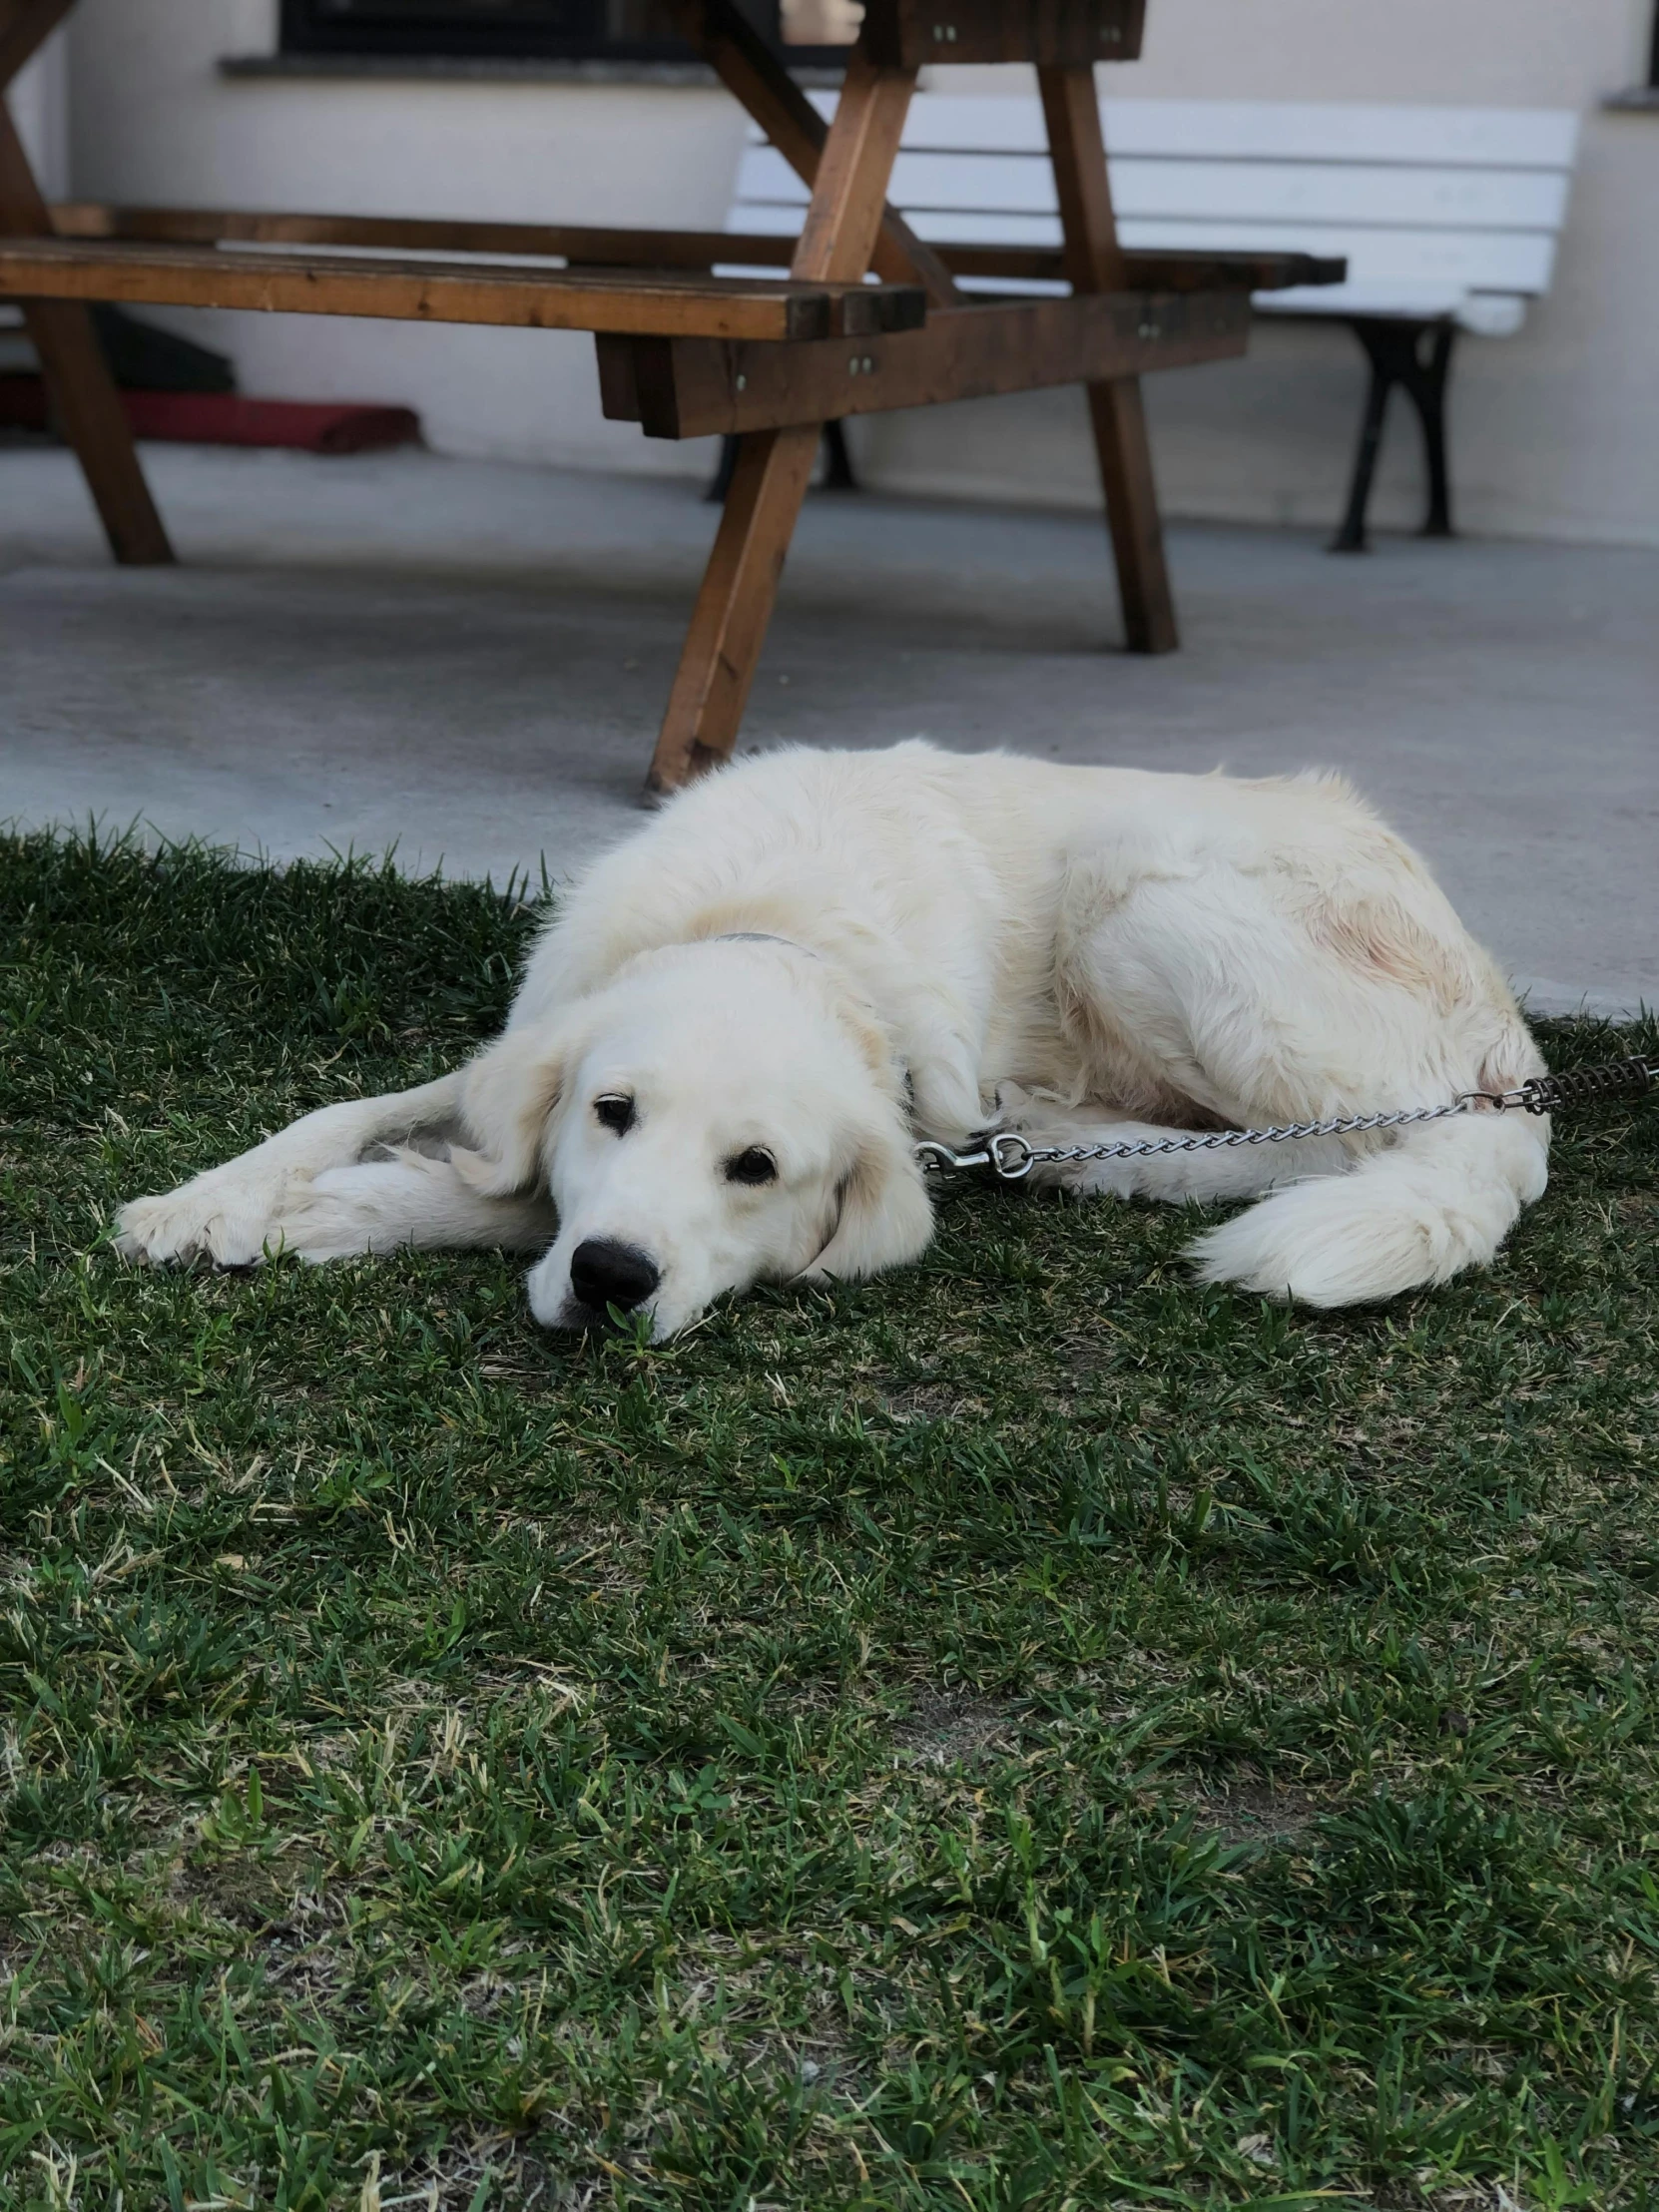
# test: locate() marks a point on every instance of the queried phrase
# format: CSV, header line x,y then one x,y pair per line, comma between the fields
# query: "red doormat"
x,y
225,419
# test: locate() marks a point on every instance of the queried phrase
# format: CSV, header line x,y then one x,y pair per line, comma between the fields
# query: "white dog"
x,y
727,1043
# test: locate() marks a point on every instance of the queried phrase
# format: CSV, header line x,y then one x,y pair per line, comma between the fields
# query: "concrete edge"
x,y
1541,995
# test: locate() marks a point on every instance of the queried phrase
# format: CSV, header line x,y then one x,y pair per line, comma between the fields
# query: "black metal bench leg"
x,y
839,472
1427,389
1397,355
721,482
1351,536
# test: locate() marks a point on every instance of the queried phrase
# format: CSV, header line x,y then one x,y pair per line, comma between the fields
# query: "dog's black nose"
x,y
604,1273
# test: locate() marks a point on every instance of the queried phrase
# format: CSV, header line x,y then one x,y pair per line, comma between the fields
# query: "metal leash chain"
x,y
1012,1156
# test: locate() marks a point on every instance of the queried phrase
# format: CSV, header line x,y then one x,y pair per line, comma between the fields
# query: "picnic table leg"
x,y
716,665
1395,347
774,467
1094,262
78,381
759,80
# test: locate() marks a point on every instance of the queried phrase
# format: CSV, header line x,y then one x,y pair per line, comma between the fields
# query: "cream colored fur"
x,y
1115,952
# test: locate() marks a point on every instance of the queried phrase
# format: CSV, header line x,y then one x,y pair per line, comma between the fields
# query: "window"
x,y
1653,53
578,30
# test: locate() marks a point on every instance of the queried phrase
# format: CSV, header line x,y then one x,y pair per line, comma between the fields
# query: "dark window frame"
x,y
439,28
1653,53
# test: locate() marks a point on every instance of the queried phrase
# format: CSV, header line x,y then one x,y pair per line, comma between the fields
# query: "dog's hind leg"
x,y
231,1213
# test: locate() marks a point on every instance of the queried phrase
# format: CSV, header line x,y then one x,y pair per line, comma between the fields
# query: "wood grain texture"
x,y
844,218
1073,34
774,467
295,283
1091,256
733,605
602,247
1156,270
1095,263
754,74
83,395
686,387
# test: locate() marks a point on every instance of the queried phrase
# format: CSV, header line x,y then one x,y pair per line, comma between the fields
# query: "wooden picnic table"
x,y
864,315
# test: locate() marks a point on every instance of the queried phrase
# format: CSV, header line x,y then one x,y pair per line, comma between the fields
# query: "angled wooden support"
x,y
78,380
25,26
1094,261
774,467
733,605
755,77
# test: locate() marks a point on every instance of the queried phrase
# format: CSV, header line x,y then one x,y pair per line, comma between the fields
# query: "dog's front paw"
x,y
229,1220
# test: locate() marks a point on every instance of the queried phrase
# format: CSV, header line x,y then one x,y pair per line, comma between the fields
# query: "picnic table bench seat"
x,y
852,310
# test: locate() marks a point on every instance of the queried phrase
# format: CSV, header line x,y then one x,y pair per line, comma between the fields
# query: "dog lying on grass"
x,y
730,1039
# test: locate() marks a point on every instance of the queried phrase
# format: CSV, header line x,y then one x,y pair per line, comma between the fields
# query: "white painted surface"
x,y
1555,432
1434,193
1436,211
1430,207
1310,129
39,103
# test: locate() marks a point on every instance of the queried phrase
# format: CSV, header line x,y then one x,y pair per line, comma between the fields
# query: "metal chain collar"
x,y
1012,1156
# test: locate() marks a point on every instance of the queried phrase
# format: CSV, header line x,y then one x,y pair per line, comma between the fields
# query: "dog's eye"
x,y
753,1166
615,1112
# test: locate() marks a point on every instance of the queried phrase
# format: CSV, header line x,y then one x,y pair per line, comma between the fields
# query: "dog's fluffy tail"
x,y
1441,1199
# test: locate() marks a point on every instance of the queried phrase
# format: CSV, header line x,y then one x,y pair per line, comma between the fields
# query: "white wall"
x,y
1555,432
154,120
39,101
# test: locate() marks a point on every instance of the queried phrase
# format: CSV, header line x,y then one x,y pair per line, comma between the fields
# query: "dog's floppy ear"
x,y
885,1214
509,1096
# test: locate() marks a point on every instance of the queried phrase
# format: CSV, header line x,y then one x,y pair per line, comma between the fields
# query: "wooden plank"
x,y
588,244
734,607
1082,183
25,26
1095,263
512,296
1161,272
82,391
1067,34
1043,261
843,220
754,74
693,387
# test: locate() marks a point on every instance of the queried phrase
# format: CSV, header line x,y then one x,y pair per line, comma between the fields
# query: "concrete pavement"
x,y
468,660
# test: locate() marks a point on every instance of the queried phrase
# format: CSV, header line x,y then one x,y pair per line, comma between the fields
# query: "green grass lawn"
x,y
1024,1731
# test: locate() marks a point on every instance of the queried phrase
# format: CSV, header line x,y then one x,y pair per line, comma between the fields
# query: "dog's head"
x,y
718,1115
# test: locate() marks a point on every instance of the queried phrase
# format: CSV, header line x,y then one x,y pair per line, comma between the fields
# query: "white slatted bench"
x,y
1448,218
